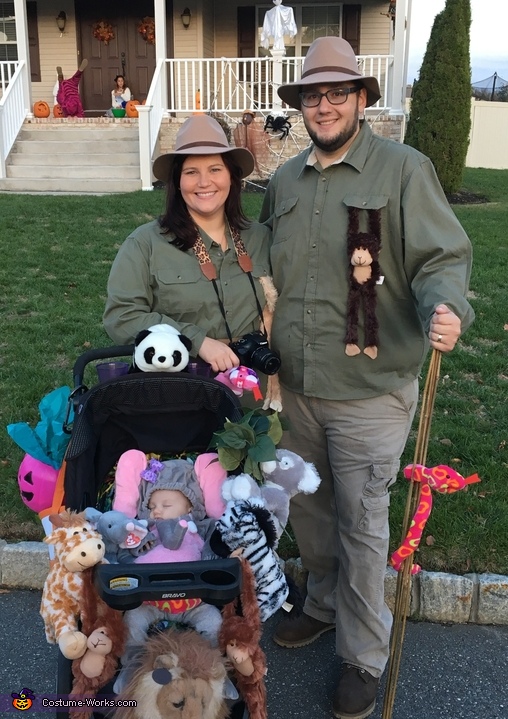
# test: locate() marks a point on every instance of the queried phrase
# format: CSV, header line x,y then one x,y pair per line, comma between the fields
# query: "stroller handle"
x,y
96,354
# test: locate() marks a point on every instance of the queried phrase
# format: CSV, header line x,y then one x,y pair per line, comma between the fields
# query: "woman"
x,y
120,94
164,272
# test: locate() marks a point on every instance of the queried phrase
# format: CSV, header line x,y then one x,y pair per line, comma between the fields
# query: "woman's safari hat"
x,y
330,59
202,135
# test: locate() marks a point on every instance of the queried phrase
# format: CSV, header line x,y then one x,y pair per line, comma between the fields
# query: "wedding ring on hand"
x,y
439,338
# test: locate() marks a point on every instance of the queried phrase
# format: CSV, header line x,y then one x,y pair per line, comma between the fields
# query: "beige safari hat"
x,y
329,59
202,135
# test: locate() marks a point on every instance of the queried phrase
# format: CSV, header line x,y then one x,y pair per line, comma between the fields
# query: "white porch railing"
x,y
228,85
239,84
7,70
150,117
12,114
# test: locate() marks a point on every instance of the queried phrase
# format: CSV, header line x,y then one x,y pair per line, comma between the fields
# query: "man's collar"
x,y
357,154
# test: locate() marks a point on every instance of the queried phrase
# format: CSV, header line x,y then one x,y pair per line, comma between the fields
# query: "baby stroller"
x,y
157,412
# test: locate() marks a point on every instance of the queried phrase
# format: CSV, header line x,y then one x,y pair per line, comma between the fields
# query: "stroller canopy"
x,y
152,412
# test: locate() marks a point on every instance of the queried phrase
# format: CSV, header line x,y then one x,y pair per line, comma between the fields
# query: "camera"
x,y
253,351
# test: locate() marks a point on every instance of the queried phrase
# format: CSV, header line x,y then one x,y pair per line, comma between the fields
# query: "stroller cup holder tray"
x,y
126,586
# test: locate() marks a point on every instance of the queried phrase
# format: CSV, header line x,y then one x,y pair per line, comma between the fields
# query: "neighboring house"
x,y
206,56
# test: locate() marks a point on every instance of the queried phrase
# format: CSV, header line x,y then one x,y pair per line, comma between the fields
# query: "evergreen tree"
x,y
440,119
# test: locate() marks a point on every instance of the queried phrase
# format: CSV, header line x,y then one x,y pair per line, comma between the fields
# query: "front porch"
x,y
216,81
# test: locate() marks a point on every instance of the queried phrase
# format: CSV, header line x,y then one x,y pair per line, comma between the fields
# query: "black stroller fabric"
x,y
152,412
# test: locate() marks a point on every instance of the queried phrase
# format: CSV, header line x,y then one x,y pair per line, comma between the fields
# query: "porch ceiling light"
x,y
61,19
186,17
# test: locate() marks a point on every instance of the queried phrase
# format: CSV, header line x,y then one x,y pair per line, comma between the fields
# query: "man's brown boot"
x,y
355,695
299,632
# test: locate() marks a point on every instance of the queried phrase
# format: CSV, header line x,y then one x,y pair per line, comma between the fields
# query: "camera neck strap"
x,y
210,272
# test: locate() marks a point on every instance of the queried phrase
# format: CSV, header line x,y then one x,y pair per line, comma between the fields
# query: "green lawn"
x,y
56,256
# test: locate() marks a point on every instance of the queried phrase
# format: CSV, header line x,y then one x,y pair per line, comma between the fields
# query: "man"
x,y
350,399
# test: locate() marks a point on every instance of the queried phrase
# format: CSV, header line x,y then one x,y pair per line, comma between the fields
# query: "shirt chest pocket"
x,y
286,220
363,202
181,289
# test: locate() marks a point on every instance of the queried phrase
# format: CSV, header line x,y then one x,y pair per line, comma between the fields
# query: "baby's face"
x,y
168,504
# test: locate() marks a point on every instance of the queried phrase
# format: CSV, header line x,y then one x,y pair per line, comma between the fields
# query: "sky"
x,y
489,30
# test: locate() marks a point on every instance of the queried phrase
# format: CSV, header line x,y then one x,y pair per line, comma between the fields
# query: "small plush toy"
x,y
246,528
442,479
77,547
239,379
105,630
239,640
160,348
363,250
284,477
118,532
98,645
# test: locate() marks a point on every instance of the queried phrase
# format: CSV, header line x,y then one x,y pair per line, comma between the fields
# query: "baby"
x,y
172,501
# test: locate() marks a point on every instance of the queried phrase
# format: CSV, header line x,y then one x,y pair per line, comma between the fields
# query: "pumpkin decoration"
x,y
130,108
57,111
41,109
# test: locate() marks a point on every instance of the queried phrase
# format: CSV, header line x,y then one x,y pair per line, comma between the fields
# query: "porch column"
x,y
161,48
23,52
277,79
400,52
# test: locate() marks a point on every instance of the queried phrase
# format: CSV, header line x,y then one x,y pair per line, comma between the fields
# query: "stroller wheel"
x,y
63,681
239,711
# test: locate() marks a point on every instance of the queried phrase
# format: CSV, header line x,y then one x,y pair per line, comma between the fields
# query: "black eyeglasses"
x,y
335,96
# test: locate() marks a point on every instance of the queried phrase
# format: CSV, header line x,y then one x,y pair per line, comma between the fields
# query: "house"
x,y
200,55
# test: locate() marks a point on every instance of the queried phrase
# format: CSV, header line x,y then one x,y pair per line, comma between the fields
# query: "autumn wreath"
x,y
146,29
103,31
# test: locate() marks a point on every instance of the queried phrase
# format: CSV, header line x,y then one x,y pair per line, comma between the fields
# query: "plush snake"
x,y
442,479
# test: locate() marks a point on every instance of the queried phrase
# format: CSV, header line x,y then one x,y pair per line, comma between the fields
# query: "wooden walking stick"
x,y
403,591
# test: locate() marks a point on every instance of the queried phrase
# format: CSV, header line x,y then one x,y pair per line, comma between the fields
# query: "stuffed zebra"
x,y
248,526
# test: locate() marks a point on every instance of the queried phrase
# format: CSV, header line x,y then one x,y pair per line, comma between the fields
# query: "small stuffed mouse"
x,y
160,348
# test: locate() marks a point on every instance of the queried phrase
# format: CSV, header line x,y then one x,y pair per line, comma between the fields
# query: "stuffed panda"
x,y
160,348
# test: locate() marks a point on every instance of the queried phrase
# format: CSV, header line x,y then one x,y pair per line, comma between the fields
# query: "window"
x,y
8,45
312,21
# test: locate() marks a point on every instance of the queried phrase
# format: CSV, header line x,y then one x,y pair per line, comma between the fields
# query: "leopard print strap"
x,y
206,264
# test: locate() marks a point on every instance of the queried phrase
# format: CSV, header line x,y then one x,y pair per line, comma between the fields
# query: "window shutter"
x,y
351,15
33,41
246,23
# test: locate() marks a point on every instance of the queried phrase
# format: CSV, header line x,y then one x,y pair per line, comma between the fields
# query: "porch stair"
x,y
73,156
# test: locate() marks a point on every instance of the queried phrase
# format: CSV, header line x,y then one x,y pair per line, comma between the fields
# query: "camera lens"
x,y
265,360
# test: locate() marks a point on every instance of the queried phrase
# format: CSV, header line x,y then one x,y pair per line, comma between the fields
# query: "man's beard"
x,y
332,144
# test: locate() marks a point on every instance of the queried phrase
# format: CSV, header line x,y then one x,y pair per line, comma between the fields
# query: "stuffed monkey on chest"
x,y
364,273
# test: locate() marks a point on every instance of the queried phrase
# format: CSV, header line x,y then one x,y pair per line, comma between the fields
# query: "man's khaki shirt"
x,y
425,260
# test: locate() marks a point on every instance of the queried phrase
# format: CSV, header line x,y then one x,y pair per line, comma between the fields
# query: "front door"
x,y
127,53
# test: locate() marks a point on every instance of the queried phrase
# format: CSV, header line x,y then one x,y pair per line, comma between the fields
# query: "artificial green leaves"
x,y
247,443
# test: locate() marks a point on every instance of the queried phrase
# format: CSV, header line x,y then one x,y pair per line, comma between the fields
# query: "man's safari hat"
x,y
329,59
202,135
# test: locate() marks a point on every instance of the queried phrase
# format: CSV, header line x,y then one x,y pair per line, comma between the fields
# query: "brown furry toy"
x,y
179,676
105,631
239,639
364,273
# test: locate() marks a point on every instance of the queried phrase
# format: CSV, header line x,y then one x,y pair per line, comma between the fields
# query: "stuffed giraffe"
x,y
77,547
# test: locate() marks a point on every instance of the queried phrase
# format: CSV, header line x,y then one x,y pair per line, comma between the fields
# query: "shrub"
x,y
440,118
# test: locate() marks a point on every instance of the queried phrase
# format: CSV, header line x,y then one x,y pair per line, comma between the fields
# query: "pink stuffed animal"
x,y
239,379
